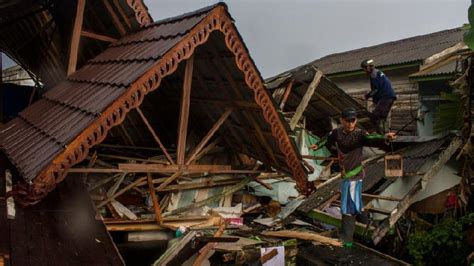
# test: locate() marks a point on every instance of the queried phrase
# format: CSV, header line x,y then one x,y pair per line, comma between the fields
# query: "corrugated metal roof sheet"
x,y
447,67
328,101
414,49
413,159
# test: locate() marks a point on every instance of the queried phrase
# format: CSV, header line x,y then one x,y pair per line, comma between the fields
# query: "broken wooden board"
x,y
312,236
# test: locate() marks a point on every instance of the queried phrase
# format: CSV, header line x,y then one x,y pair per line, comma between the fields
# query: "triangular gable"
x,y
57,132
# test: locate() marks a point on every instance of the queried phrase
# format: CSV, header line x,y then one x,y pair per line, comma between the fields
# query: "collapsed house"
x,y
420,69
186,155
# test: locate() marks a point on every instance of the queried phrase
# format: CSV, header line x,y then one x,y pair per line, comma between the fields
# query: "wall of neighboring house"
x,y
406,106
15,92
430,101
17,75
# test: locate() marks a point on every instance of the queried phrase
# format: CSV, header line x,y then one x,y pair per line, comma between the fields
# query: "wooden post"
x,y
405,203
209,135
76,37
287,94
306,98
154,198
184,113
206,249
155,136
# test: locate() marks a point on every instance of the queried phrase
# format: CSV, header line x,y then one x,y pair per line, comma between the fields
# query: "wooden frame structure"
x,y
217,19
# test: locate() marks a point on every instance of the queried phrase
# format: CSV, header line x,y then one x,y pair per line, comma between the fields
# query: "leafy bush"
x,y
445,244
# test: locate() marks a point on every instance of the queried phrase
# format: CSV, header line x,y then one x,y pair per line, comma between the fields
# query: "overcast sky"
x,y
282,34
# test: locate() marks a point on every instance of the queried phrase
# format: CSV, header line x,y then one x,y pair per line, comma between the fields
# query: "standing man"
x,y
381,92
348,141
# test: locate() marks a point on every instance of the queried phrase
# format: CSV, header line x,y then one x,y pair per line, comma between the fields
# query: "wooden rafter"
x,y
306,98
155,136
249,117
154,198
76,37
217,20
288,90
405,203
209,135
184,112
97,36
114,17
122,13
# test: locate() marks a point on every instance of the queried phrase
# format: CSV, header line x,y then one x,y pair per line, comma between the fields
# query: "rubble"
x,y
173,141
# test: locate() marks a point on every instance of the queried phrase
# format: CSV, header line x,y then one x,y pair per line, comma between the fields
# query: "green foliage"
x,y
445,244
449,115
469,35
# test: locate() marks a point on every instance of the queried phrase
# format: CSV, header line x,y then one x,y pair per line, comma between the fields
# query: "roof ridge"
x,y
391,42
184,16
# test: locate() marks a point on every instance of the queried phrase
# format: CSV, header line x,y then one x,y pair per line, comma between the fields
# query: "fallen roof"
x,y
409,50
37,34
58,130
328,100
413,159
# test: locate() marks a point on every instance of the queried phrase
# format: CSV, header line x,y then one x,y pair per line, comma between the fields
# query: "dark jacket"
x,y
349,149
380,87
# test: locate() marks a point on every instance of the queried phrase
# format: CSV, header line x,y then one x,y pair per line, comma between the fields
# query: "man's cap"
x,y
349,113
366,62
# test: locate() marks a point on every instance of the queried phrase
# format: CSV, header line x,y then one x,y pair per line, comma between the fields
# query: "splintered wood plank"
x,y
306,98
208,247
76,37
160,168
184,111
155,136
305,236
209,135
154,198
288,90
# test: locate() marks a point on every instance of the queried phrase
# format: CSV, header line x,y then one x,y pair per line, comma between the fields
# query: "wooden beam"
x,y
115,19
155,136
184,112
208,148
159,168
247,116
305,236
122,13
127,136
306,98
380,197
169,180
191,169
76,37
288,90
126,158
226,192
154,198
360,229
209,135
120,192
97,36
405,203
208,247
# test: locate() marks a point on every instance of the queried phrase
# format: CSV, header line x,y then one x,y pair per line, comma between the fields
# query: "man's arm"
x,y
377,139
329,140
